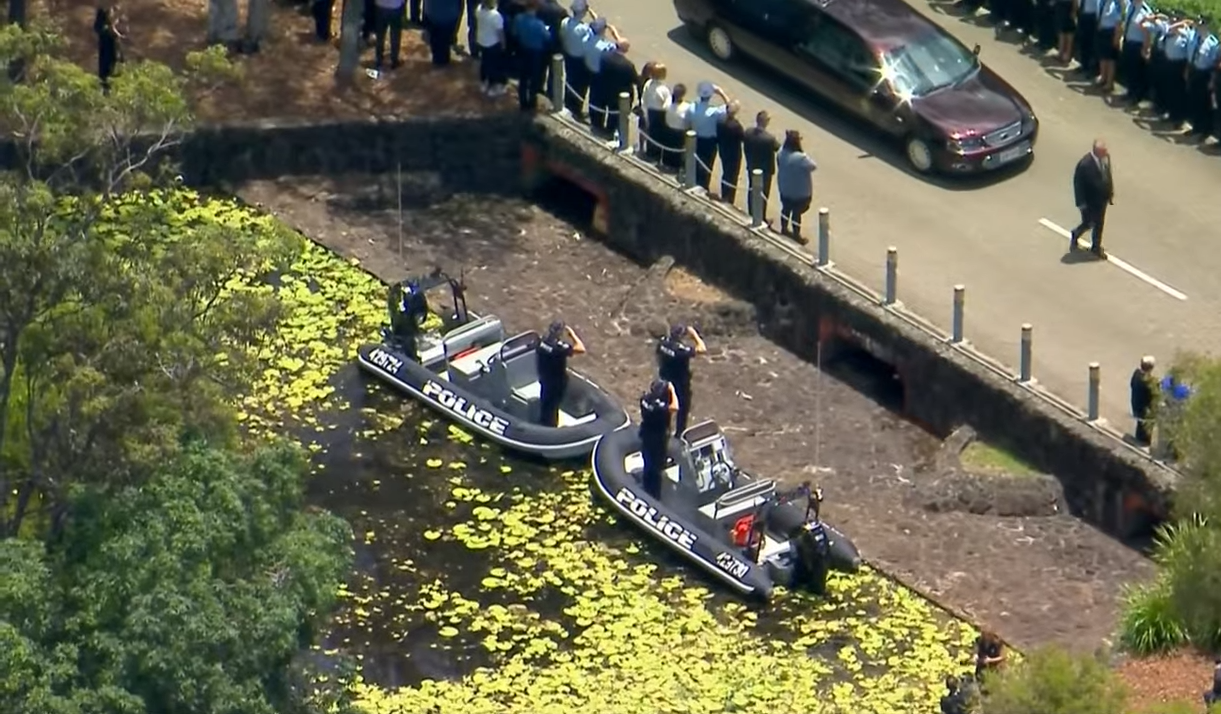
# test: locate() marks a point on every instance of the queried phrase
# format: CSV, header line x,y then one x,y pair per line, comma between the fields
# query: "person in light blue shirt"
x,y
1155,26
704,118
1180,39
795,184
1110,27
574,32
1133,71
1201,65
1087,36
601,41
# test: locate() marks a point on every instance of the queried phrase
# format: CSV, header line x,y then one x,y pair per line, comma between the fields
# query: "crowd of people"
x,y
1172,62
516,39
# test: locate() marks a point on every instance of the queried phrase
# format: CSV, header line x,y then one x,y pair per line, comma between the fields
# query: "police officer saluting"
x,y
656,406
1200,78
1134,38
553,352
674,357
1179,42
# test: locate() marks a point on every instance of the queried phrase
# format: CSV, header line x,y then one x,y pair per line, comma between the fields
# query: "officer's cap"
x,y
598,25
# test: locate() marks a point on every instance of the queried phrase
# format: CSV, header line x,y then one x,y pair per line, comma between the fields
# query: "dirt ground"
x,y
1035,580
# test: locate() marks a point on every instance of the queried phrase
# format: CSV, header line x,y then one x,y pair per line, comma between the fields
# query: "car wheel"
x,y
720,43
919,155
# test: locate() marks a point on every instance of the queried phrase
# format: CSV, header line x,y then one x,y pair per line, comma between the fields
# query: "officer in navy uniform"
x,y
408,308
656,407
1202,64
674,357
553,352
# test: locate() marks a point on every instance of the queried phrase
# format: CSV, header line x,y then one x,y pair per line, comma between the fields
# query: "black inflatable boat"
x,y
741,530
488,384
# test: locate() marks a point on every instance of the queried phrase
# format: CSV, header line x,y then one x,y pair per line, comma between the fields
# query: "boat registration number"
x,y
658,522
463,408
731,565
385,360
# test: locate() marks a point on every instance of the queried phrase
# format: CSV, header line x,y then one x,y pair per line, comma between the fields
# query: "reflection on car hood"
x,y
979,105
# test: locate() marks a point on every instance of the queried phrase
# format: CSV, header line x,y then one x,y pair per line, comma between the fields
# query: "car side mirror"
x,y
975,50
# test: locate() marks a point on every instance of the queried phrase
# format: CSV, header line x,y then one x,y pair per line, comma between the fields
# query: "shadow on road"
x,y
800,101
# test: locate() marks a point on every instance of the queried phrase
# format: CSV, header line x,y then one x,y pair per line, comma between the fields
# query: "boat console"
x,y
711,459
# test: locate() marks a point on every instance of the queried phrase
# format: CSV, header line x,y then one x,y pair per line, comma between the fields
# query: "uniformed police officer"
x,y
674,358
553,351
1087,36
704,117
601,42
656,407
1110,27
574,32
1134,37
408,307
1180,39
1199,79
1155,26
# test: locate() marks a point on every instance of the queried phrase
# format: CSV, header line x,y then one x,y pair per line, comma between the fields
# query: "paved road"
x,y
988,235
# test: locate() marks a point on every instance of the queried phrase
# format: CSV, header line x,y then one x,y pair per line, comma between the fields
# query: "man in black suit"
x,y
1093,191
760,148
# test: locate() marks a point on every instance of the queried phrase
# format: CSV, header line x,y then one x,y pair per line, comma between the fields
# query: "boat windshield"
x,y
932,61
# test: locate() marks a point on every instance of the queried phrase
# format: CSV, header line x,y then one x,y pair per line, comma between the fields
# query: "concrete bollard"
x,y
1026,358
625,121
756,198
689,160
892,275
824,237
960,300
1095,387
559,83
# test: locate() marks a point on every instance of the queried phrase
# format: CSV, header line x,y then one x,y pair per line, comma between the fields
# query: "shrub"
x,y
1150,623
1053,681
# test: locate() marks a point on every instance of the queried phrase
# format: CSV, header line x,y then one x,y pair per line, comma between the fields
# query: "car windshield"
x,y
931,62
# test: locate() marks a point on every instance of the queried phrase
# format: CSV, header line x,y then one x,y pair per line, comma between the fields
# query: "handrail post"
x,y
559,83
892,275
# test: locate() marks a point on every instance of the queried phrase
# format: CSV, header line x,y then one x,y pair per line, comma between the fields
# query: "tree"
x,y
1053,681
117,322
192,594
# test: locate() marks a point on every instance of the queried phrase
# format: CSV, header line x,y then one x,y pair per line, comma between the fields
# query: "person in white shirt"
x,y
490,36
655,99
678,121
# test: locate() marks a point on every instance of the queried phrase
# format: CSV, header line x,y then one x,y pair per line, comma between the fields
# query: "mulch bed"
x,y
293,77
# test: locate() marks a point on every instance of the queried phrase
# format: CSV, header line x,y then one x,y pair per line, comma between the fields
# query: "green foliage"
x,y
1177,707
193,593
1150,623
1053,681
126,337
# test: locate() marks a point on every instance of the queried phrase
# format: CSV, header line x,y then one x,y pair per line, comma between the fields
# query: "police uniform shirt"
x,y
553,360
654,417
675,358
595,49
1090,7
1134,31
573,35
531,33
1179,43
1205,56
1157,34
1112,12
705,116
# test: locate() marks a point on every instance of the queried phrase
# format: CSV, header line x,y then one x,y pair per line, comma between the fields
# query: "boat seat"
x,y
470,366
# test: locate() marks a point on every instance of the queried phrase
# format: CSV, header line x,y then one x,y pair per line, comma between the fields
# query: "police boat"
x,y
463,366
742,530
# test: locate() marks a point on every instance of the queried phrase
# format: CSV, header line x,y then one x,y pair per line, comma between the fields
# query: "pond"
x,y
487,583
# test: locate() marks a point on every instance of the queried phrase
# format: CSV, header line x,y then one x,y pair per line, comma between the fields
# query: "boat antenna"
x,y
399,174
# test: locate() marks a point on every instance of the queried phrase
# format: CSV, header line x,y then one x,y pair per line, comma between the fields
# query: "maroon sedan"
x,y
886,64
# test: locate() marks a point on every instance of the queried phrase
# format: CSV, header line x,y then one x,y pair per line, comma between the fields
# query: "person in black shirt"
x,y
760,148
1143,386
553,15
408,308
656,406
989,654
556,347
674,357
618,75
953,702
729,137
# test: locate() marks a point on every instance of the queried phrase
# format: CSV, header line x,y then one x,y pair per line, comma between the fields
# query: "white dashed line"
x,y
1121,264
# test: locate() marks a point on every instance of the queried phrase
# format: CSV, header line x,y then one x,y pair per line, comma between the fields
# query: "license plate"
x,y
1013,153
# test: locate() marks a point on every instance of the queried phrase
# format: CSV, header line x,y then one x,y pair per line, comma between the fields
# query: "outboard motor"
x,y
812,562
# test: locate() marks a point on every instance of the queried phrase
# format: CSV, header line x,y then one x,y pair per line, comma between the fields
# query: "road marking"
x,y
1121,264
